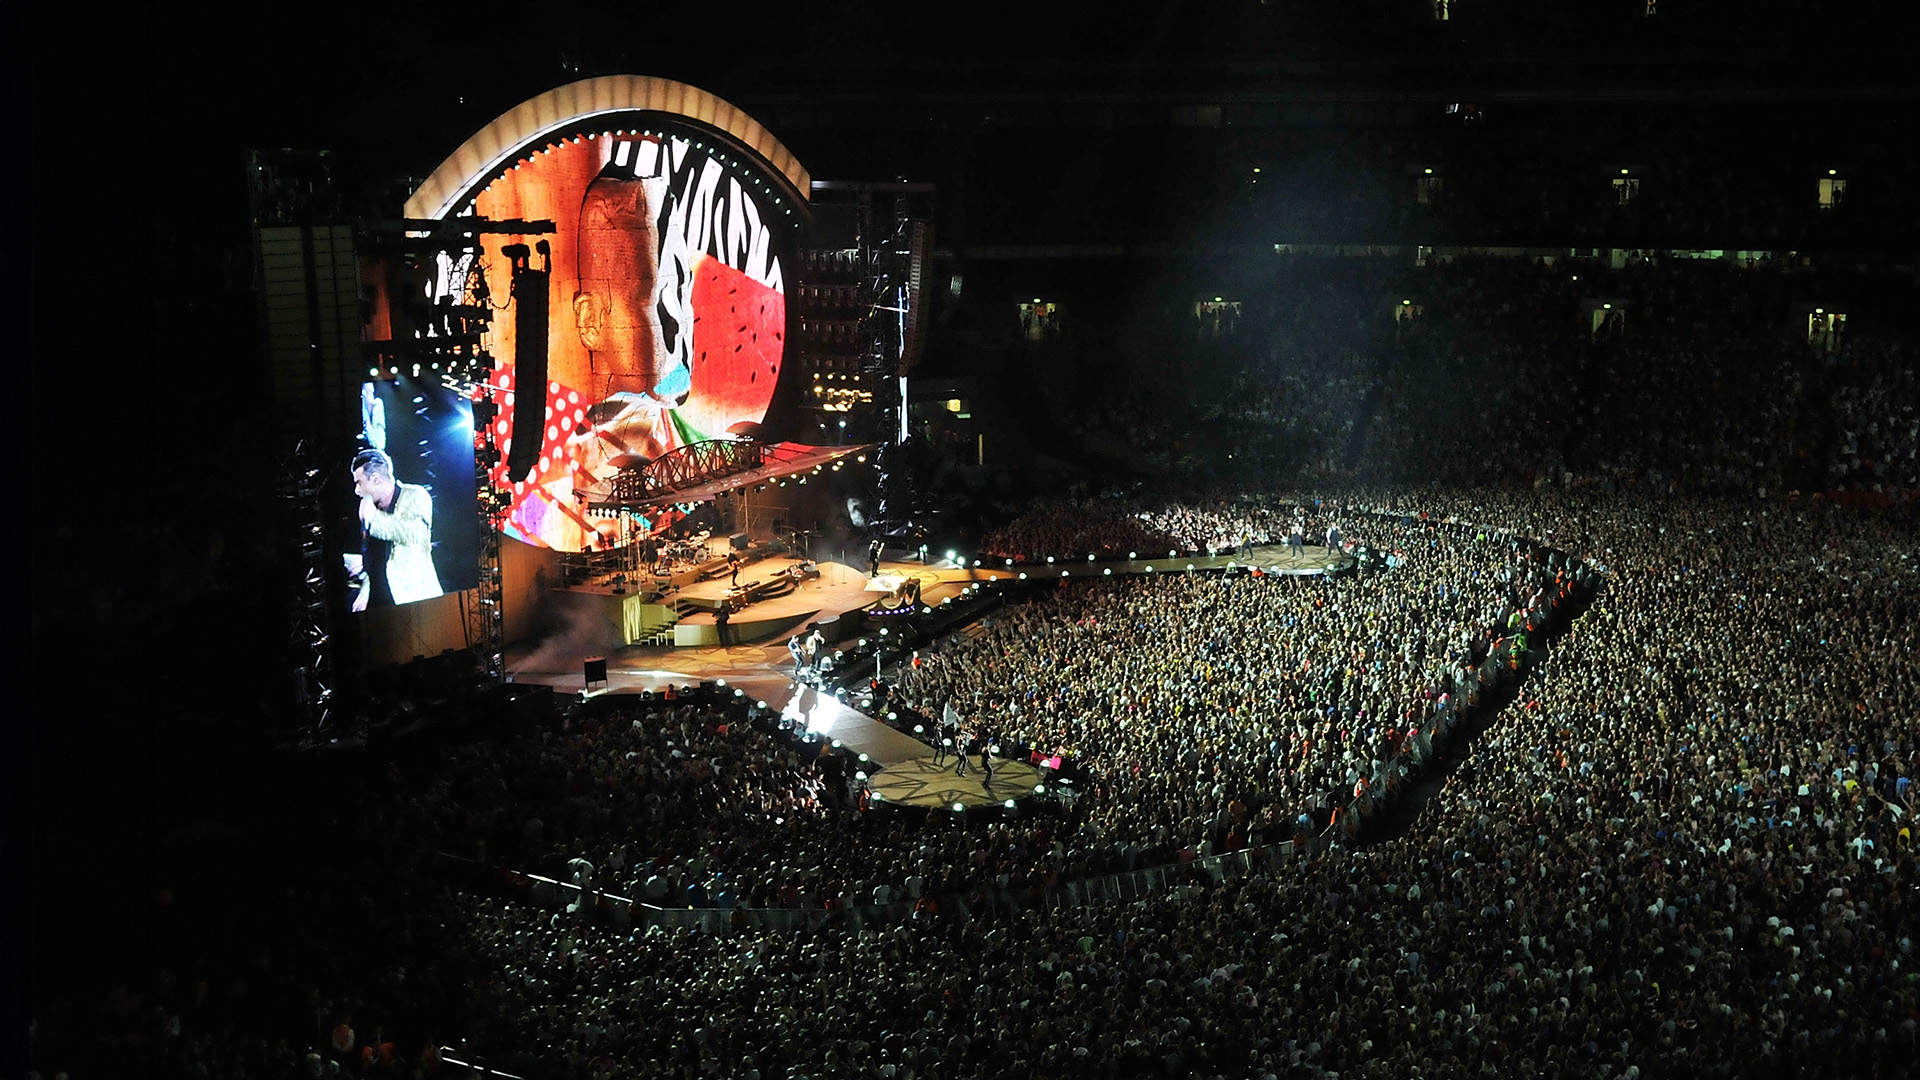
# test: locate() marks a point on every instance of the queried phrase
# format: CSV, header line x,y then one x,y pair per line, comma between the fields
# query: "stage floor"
x,y
920,782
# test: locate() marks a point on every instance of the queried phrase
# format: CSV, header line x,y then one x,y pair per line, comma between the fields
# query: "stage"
x,y
758,665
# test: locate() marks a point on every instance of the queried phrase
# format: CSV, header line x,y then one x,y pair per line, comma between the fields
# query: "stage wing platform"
x,y
920,782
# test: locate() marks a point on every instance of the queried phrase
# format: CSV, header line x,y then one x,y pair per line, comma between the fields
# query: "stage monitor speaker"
x,y
596,670
740,541
530,302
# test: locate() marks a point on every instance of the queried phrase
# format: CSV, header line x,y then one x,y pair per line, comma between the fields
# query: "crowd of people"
x,y
1686,845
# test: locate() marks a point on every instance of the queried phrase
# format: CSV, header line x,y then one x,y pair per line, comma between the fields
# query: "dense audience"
x,y
1685,845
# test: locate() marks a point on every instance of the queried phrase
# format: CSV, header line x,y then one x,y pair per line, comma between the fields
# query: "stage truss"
x,y
701,471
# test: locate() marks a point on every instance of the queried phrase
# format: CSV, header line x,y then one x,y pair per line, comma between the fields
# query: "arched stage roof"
x,y
560,111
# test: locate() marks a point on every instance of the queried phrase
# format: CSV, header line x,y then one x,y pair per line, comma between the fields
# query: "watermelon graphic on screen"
x,y
739,332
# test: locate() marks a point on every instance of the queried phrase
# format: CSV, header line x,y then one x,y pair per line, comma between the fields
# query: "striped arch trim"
x,y
497,144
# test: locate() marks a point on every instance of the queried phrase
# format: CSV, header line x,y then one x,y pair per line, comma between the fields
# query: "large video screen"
x,y
667,304
412,494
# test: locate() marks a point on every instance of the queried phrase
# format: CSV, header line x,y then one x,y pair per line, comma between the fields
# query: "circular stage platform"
x,y
919,782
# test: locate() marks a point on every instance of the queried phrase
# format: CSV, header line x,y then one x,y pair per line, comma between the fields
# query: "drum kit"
x,y
690,551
